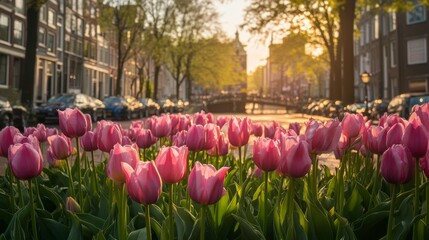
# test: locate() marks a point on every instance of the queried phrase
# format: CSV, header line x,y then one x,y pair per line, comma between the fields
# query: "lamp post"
x,y
365,77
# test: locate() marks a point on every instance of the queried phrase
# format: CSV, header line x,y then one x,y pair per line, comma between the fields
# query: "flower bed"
x,y
189,177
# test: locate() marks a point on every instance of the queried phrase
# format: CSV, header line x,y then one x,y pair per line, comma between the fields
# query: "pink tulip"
x,y
323,138
88,122
295,160
171,163
29,131
279,131
195,138
161,127
6,139
127,154
126,140
239,131
352,124
89,141
184,123
145,139
72,205
266,154
108,134
397,165
222,147
205,184
180,138
41,133
212,133
51,159
72,122
143,182
416,137
257,172
424,164
343,143
19,138
376,139
210,118
51,131
296,127
175,121
200,118
25,161
221,120
137,124
422,112
270,129
257,129
61,146
390,120
394,134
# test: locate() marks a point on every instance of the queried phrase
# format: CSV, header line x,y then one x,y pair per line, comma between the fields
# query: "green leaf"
x,y
320,226
138,234
353,208
93,223
248,230
184,222
51,229
372,224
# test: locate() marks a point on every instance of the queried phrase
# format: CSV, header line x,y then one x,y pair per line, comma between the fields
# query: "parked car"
x,y
166,106
150,106
336,109
377,108
126,107
355,108
87,104
402,105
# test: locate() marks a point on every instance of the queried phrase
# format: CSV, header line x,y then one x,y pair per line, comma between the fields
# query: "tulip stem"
x,y
239,166
376,182
94,172
427,205
203,222
265,206
392,213
12,192
79,176
290,209
171,212
38,195
33,212
340,185
148,227
416,195
70,179
21,199
314,177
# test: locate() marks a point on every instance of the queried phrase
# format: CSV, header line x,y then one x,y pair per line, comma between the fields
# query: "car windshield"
x,y
62,99
112,100
418,100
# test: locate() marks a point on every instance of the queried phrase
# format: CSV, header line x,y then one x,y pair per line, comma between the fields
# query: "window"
x,y
393,54
376,27
4,27
367,32
51,42
60,38
51,17
87,30
17,33
19,4
3,69
416,50
392,21
42,36
42,13
417,15
79,27
67,44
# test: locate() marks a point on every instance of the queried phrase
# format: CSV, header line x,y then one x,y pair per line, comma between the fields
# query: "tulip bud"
x,y
266,154
415,137
108,134
397,165
144,138
295,160
61,146
6,139
195,138
119,154
25,161
72,122
72,205
239,131
171,163
89,141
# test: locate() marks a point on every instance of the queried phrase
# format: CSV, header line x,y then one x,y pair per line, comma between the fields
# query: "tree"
x,y
32,32
125,20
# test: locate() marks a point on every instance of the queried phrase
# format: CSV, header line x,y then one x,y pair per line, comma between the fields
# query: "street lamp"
x,y
365,77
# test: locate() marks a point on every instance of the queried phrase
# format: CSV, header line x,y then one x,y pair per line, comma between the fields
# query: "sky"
x,y
231,15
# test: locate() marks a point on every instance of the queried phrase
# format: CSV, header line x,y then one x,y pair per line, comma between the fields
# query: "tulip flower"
x,y
171,163
257,129
205,184
270,129
222,146
296,127
422,112
25,160
88,119
211,132
51,131
126,140
266,154
61,146
72,205
29,131
19,138
72,122
376,139
175,120
41,133
6,139
108,134
390,120
195,138
161,127
416,137
394,134
239,131
221,120
397,165
144,186
184,123
119,154
89,141
200,118
352,124
144,183
180,138
295,160
145,139
323,138
51,159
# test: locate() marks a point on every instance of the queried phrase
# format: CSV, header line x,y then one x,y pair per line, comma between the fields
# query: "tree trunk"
x,y
155,81
347,25
118,90
29,72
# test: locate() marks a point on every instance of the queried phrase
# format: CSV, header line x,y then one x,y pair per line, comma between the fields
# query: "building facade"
x,y
393,48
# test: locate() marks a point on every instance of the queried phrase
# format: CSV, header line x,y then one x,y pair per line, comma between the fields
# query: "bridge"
x,y
237,102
